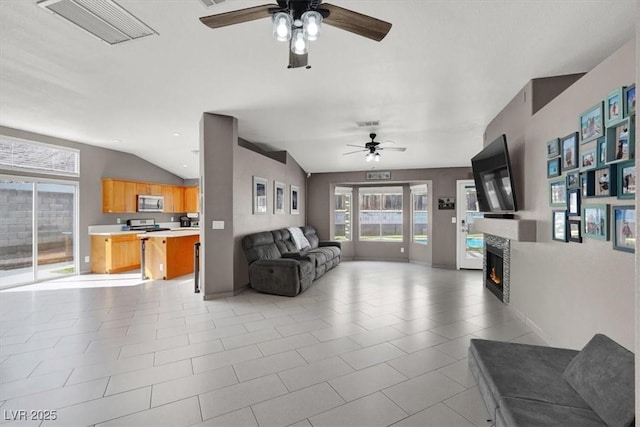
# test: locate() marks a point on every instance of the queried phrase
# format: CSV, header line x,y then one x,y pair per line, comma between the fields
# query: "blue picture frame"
x,y
629,97
553,167
627,180
623,228
614,107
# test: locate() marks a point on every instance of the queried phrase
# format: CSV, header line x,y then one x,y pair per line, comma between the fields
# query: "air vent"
x,y
368,124
209,3
104,19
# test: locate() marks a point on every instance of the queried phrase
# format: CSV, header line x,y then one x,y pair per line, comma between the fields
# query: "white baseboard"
x,y
530,323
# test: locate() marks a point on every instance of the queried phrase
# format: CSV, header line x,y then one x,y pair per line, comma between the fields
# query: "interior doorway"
x,y
469,246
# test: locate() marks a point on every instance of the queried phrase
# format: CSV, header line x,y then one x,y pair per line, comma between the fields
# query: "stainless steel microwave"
x,y
150,203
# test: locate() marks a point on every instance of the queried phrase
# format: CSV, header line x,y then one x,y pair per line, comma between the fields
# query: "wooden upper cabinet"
x,y
191,199
120,196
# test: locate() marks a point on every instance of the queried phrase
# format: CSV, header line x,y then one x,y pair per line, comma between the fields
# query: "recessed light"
x,y
117,141
175,134
184,166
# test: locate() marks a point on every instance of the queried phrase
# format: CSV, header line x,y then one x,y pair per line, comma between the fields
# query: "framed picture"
x,y
558,193
377,175
573,180
553,167
627,180
553,148
584,184
588,159
446,203
259,195
629,97
624,225
279,198
573,202
620,142
613,107
601,148
602,183
595,221
591,123
569,146
294,199
559,226
573,231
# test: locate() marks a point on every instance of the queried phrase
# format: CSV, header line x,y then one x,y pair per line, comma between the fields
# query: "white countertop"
x,y
174,232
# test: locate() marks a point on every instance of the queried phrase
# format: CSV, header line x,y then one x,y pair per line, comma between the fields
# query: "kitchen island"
x,y
169,254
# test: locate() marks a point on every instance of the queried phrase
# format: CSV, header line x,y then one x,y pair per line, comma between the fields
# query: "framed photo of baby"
x,y
569,145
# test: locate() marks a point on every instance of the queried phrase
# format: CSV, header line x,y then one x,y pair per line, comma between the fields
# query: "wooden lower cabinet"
x,y
169,257
115,253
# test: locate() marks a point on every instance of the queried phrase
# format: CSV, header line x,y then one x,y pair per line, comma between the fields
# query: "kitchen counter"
x,y
172,233
169,254
182,232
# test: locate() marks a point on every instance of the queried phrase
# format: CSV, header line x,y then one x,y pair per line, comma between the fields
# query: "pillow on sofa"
x,y
298,238
602,374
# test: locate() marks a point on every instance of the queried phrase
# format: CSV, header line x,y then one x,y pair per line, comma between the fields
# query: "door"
x,y
40,228
469,246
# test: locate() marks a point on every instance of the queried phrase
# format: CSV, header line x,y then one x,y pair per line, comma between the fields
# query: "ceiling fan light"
x,y
368,157
298,43
311,24
377,157
282,26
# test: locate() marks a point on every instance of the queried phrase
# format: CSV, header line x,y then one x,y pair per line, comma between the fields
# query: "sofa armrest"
x,y
295,255
337,244
276,276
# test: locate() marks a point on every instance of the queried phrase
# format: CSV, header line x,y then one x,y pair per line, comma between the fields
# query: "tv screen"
x,y
494,179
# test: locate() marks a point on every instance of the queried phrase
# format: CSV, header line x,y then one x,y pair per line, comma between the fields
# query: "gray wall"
x,y
637,282
97,163
566,291
227,171
443,235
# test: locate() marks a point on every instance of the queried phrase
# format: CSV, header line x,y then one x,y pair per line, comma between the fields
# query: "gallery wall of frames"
x,y
597,162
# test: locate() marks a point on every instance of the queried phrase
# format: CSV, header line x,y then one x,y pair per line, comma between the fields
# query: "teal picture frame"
x,y
569,151
591,123
629,97
614,107
595,221
627,180
621,145
559,226
553,148
623,228
553,167
601,148
558,193
588,159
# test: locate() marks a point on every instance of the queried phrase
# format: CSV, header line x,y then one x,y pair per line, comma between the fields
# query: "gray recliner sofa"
x,y
277,267
530,385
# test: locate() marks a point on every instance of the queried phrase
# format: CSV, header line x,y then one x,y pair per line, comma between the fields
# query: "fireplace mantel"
x,y
521,230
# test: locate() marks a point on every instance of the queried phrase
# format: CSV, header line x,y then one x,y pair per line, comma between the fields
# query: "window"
x,y
381,214
419,214
342,214
26,155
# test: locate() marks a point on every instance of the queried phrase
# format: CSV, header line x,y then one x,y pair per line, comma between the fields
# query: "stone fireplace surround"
x,y
504,245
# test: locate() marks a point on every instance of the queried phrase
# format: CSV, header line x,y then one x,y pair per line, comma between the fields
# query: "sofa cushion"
x,y
603,374
283,241
260,246
528,413
310,233
526,371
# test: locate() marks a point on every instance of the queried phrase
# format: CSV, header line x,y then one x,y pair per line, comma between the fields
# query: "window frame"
x,y
419,190
31,170
339,190
381,191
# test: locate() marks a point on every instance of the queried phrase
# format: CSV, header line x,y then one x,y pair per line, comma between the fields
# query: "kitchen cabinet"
x,y
121,196
191,199
169,255
115,253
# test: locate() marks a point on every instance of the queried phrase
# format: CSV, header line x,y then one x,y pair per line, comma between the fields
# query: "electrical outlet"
x,y
161,267
401,250
86,259
171,219
117,220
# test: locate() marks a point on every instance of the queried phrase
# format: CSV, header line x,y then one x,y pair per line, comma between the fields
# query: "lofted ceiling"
x,y
443,72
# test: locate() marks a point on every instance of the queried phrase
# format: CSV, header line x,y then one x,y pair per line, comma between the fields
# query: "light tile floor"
x,y
369,344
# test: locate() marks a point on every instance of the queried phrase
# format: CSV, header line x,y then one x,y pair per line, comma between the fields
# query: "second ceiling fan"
x,y
298,21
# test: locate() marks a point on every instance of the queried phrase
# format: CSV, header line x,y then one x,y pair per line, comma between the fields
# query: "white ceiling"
x,y
443,72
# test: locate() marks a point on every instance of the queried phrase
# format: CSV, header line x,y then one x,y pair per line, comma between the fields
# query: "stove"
x,y
145,225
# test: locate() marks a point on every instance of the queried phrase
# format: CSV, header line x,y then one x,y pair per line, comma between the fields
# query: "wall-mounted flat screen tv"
x,y
494,180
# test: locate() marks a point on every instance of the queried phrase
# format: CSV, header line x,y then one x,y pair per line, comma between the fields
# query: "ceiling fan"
x,y
298,21
373,148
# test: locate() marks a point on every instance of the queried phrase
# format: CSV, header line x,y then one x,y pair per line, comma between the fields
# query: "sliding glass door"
x,y
49,208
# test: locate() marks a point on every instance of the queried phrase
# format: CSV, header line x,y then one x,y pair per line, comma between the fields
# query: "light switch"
x,y
217,225
453,220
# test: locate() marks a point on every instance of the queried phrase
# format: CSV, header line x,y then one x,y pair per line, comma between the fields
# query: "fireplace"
x,y
494,273
496,266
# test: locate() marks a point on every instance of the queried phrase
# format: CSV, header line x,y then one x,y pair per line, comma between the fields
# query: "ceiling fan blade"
x,y
238,16
353,152
353,145
354,22
393,148
297,61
